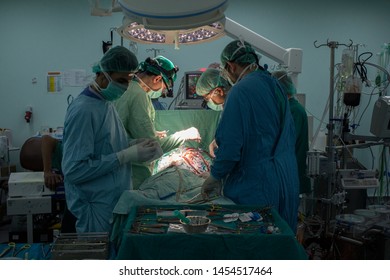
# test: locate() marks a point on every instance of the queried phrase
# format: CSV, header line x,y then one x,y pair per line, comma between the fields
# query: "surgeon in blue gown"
x,y
97,154
255,161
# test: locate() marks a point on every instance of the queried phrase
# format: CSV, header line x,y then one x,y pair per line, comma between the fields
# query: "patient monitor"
x,y
380,121
191,99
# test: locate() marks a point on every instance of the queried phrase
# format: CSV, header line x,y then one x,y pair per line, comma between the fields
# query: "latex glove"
x,y
191,133
144,151
212,147
52,180
210,186
162,134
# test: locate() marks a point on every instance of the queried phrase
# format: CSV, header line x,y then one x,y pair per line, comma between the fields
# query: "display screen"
x,y
191,78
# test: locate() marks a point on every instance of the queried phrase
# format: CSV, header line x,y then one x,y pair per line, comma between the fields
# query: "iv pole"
x,y
331,147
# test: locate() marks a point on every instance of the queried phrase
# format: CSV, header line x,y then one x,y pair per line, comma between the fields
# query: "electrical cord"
x,y
361,69
179,93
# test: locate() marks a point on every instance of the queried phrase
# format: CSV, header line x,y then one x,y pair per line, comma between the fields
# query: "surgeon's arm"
x,y
142,151
212,147
210,187
228,138
48,147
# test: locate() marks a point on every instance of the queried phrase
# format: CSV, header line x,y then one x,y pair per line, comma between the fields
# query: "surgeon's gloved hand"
x,y
144,151
191,133
212,147
211,187
162,134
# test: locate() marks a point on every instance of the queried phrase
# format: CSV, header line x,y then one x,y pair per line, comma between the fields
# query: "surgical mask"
x,y
113,91
213,106
154,94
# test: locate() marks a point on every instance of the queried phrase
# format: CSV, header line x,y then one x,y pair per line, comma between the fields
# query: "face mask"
x,y
213,106
113,91
152,93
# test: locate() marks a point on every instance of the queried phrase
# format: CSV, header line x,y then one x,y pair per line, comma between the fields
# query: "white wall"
x,y
46,35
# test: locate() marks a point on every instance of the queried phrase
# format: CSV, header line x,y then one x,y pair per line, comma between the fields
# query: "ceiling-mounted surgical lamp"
x,y
195,21
172,22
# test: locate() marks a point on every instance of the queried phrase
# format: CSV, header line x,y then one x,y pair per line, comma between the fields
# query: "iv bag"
x,y
347,63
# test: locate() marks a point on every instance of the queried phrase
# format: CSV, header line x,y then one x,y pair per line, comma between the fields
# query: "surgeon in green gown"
x,y
301,129
135,108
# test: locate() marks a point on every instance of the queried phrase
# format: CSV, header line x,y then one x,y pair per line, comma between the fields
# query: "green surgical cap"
x,y
160,65
209,80
285,81
117,59
239,52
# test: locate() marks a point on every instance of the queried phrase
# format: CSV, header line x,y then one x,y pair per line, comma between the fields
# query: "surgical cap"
x,y
160,65
285,81
240,52
117,59
209,80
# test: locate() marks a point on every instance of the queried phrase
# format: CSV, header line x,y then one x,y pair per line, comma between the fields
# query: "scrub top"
x,y
93,177
137,113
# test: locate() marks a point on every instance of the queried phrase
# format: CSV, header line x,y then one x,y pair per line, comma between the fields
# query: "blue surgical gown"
x,y
93,177
256,147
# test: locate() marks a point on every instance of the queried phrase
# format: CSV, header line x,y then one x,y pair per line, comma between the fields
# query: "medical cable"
x,y
179,93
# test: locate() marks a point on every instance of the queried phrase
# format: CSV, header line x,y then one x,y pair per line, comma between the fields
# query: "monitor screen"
x,y
191,78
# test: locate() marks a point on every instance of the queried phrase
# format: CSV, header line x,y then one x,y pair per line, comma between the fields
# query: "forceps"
x,y
11,245
24,247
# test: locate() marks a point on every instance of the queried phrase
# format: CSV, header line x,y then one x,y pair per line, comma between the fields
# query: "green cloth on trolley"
x,y
180,246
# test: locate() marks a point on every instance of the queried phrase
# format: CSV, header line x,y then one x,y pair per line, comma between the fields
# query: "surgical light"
x,y
190,22
172,22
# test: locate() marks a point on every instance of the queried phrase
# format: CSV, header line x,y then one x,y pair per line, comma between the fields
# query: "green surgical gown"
x,y
137,113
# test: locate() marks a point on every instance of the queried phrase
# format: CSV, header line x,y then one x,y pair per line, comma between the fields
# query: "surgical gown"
x,y
137,113
302,143
93,177
256,147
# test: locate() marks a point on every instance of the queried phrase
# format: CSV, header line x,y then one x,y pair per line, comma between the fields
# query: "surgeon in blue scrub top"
x,y
255,161
97,155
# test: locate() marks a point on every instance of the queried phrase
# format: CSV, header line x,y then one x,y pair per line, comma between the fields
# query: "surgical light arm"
x,y
291,58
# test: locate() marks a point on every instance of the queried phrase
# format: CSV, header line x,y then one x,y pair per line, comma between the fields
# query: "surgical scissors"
x,y
11,245
24,247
